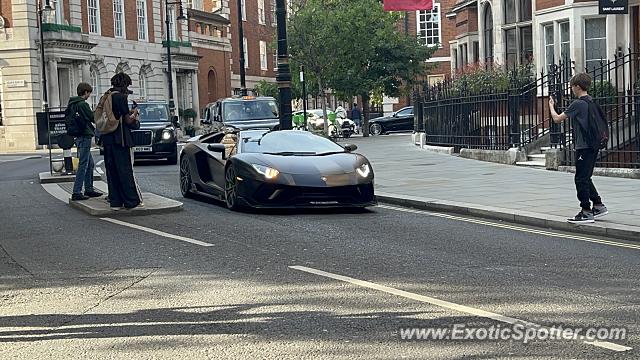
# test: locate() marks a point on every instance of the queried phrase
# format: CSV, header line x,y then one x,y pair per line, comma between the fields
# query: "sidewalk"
x,y
408,175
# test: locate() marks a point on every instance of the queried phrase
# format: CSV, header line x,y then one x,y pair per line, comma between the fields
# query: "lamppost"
x,y
42,11
284,73
304,95
167,21
243,77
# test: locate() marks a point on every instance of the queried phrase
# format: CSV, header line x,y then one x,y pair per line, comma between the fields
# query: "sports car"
x,y
275,169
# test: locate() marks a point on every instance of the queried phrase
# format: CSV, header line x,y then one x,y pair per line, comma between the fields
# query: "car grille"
x,y
142,137
314,196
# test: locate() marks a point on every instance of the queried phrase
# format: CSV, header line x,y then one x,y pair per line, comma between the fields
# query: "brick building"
x,y
540,32
433,29
259,26
91,40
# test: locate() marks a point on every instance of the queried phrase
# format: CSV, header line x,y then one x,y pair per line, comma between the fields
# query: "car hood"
x,y
336,164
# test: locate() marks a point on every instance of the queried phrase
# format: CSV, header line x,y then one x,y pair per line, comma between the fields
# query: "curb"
x,y
47,178
623,232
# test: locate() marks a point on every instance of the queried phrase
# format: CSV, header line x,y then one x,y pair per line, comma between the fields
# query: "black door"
x,y
404,120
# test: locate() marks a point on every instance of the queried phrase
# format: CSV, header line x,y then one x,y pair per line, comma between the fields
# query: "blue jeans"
x,y
85,167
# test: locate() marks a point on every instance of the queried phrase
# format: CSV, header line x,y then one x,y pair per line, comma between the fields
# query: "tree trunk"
x,y
365,114
323,96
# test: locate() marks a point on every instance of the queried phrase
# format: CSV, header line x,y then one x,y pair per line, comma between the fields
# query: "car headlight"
x,y
267,172
363,170
167,134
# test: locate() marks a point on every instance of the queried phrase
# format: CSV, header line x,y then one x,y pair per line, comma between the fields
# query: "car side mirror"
x,y
175,122
350,147
216,148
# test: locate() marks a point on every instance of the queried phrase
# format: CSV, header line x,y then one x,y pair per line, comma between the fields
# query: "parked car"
x,y
156,138
401,120
241,112
338,126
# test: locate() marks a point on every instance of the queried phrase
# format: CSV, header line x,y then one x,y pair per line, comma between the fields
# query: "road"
x,y
298,285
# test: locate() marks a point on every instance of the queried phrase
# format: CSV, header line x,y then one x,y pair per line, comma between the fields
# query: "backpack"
x,y
106,121
73,121
596,132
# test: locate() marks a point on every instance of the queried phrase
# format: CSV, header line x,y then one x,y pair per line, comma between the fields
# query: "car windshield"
x,y
288,143
244,110
154,112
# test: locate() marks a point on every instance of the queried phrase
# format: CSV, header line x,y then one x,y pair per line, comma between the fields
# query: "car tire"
x,y
231,189
185,178
375,129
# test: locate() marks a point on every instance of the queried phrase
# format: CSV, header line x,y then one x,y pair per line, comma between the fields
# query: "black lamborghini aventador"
x,y
275,169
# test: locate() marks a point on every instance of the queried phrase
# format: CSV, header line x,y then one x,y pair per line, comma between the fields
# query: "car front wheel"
x,y
185,178
231,188
375,129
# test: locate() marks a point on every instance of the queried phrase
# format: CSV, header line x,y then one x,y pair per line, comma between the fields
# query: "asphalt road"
x,y
268,286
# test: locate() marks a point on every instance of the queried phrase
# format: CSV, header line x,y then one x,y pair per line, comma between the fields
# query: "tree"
x,y
356,48
266,88
311,33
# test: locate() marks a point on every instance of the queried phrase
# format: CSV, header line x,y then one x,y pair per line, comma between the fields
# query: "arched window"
x,y
142,84
488,34
95,84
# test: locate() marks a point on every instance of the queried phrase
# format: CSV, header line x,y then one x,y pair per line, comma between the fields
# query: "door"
x,y
404,120
64,86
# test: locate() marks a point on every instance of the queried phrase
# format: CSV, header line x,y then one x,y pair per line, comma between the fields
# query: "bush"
x,y
475,80
603,92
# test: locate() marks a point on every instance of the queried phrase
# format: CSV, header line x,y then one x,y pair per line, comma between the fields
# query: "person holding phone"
x,y
586,155
123,190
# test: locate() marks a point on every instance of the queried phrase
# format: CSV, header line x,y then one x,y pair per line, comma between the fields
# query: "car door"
x,y
404,120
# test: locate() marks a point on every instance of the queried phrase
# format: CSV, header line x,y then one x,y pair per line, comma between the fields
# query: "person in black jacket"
x,y
123,191
85,134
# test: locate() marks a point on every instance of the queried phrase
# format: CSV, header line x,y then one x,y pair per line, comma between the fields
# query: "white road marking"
x,y
514,227
57,192
157,232
20,158
451,306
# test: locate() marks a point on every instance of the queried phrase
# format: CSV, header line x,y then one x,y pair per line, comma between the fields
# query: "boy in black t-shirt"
x,y
586,155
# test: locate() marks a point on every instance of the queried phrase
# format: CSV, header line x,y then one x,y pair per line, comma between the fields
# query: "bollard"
x,y
68,162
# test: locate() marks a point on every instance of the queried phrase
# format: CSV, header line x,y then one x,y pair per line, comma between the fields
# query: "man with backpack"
x,y
79,121
590,135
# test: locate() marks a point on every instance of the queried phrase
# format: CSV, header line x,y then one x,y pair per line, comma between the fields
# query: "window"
x,y
476,52
274,16
595,40
172,25
57,15
488,34
512,47
524,10
261,13
118,18
263,56
565,41
246,53
94,77
93,7
549,46
141,10
243,5
275,60
142,82
196,4
526,45
509,11
429,26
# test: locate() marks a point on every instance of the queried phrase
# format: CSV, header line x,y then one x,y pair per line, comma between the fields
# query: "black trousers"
x,y
122,186
587,193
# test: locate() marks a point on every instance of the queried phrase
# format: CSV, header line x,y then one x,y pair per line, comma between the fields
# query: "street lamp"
x,y
44,11
243,78
284,73
172,105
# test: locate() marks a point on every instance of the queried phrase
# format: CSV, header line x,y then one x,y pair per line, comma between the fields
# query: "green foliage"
x,y
187,113
266,88
603,92
491,80
355,48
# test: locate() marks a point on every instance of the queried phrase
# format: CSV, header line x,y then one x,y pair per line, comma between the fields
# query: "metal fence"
x,y
616,88
518,115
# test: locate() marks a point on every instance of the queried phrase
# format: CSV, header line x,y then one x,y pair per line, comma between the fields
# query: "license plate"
x,y
143,149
